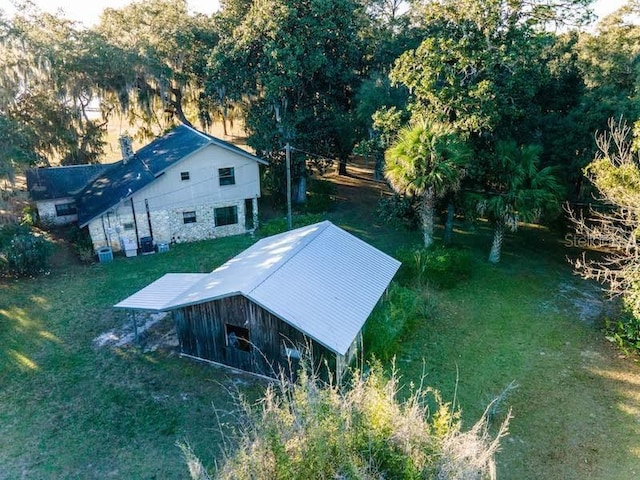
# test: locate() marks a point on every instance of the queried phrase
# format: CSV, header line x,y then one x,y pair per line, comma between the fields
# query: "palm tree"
x,y
517,191
426,161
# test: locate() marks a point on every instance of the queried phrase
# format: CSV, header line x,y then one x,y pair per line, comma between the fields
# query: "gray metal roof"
x,y
320,279
154,296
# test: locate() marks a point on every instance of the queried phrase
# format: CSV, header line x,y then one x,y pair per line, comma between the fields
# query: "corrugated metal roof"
x,y
320,279
156,295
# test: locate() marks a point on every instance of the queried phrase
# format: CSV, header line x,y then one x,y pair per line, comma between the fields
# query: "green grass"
x,y
577,407
69,410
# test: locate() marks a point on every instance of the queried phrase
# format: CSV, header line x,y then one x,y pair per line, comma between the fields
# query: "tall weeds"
x,y
313,429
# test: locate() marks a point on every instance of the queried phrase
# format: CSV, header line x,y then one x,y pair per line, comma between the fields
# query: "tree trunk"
x,y
448,224
378,167
177,106
342,166
426,216
300,190
496,248
224,125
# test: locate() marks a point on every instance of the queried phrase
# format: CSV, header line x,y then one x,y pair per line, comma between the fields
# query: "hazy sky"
x,y
88,11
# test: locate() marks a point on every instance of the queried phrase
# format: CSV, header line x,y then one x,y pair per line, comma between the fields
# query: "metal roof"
x,y
320,279
154,296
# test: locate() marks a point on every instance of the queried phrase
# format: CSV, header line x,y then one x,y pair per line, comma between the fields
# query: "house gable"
x,y
148,165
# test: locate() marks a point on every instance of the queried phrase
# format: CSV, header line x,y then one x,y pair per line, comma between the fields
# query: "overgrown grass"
x,y
399,312
316,430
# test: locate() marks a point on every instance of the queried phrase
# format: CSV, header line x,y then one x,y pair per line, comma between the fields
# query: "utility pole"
x,y
288,166
286,133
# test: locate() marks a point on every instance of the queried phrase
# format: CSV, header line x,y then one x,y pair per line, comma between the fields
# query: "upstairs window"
x,y
189,217
64,209
227,176
226,216
184,176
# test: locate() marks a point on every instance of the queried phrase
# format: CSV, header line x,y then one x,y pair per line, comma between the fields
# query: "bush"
x,y
22,252
313,429
439,267
398,210
82,244
279,225
624,332
400,310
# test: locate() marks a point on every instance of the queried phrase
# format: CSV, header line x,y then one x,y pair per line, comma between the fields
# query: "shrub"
x,y
314,429
82,244
317,203
397,314
29,215
22,252
439,267
398,210
624,332
279,225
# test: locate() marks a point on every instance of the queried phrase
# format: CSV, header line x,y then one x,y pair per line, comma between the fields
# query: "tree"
x,y
615,173
165,56
298,59
427,161
517,191
607,63
48,80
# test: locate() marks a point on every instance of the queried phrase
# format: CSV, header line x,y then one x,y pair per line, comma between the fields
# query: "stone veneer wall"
x,y
168,225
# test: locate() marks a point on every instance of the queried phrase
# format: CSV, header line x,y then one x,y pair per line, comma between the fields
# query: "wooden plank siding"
x,y
202,333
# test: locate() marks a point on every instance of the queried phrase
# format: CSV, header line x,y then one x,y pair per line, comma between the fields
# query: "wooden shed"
x,y
311,287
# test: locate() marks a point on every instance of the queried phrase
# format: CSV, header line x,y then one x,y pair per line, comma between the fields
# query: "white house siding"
x,y
168,197
48,214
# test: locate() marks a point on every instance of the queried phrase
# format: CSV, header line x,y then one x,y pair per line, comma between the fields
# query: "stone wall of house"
x,y
49,216
167,225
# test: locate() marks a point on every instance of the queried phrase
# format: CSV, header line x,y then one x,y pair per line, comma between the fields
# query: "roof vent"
x,y
126,148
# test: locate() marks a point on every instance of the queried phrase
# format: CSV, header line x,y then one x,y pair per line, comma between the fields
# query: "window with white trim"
x,y
189,217
227,176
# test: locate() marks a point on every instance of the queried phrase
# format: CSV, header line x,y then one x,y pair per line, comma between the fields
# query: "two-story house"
x,y
183,186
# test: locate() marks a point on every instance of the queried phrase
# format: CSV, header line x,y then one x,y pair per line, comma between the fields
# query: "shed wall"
x,y
202,333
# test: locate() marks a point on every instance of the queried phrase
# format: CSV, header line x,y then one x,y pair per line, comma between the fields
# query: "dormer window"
x,y
227,176
184,176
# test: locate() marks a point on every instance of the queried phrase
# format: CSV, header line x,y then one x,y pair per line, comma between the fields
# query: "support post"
x,y
135,329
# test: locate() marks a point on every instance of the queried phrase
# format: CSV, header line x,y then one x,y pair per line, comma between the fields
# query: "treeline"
x,y
331,77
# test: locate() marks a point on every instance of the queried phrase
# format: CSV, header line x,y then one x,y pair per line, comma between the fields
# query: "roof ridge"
x,y
202,134
304,244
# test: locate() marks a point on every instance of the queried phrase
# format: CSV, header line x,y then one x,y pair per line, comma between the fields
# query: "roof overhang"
x,y
156,296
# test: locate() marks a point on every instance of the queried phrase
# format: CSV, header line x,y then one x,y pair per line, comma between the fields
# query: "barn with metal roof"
x,y
314,286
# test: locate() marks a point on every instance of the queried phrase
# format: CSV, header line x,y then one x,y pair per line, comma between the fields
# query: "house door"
x,y
248,214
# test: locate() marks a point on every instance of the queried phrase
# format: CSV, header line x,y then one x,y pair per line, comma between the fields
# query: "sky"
x,y
89,10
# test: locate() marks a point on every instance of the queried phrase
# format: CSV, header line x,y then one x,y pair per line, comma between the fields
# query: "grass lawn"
x,y
71,410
